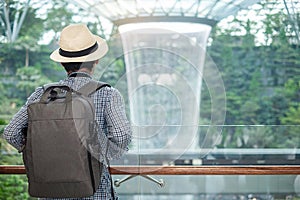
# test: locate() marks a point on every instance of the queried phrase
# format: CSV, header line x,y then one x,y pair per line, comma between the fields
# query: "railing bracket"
x,y
160,182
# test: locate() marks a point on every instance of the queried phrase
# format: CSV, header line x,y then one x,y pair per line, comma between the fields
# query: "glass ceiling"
x,y
128,11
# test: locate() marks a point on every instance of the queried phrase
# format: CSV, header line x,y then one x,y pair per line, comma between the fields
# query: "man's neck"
x,y
84,70
81,71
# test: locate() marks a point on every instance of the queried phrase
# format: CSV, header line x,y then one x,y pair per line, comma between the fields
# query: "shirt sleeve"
x,y
119,131
13,131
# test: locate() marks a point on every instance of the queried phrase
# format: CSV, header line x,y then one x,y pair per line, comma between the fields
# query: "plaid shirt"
x,y
110,115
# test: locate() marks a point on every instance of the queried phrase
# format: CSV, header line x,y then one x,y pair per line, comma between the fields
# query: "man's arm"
x,y
119,129
13,131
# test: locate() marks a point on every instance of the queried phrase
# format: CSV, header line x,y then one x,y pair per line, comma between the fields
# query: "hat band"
x,y
84,52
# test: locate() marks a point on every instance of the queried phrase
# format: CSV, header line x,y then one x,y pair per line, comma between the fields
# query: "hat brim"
x,y
99,53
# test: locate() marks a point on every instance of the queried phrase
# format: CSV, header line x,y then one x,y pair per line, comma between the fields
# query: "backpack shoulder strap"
x,y
46,86
92,87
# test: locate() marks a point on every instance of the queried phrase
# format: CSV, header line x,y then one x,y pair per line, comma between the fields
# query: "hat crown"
x,y
76,37
78,44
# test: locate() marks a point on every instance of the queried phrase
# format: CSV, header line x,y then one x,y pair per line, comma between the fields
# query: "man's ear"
x,y
96,61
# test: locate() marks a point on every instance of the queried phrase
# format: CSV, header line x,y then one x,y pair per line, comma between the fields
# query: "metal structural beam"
x,y
129,11
165,19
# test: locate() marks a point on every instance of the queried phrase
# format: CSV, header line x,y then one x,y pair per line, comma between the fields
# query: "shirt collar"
x,y
80,74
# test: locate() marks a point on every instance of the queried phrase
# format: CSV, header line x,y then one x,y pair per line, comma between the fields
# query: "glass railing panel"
x,y
268,187
214,145
173,145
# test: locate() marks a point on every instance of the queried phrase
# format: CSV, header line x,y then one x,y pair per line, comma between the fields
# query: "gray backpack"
x,y
61,128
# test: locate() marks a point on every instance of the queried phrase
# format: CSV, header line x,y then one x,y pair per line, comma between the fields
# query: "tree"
x,y
29,79
12,17
30,33
58,16
21,31
291,116
260,78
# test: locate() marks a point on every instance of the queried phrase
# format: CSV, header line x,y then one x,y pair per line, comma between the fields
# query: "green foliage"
x,y
2,122
31,31
113,72
21,22
58,16
8,62
292,116
261,88
261,82
2,97
29,79
13,187
248,137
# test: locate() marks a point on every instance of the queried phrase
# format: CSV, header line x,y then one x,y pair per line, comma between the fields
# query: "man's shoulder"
x,y
107,90
109,94
36,95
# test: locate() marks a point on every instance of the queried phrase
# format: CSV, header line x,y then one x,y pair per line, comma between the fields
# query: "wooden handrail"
x,y
182,170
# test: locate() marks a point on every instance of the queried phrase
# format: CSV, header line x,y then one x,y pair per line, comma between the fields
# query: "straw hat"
x,y
78,44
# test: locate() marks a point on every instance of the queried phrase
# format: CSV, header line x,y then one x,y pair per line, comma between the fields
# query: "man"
x,y
79,53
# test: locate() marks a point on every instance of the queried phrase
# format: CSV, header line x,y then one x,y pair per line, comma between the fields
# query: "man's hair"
x,y
75,66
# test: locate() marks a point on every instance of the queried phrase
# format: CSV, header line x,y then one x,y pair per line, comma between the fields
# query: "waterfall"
x,y
164,66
